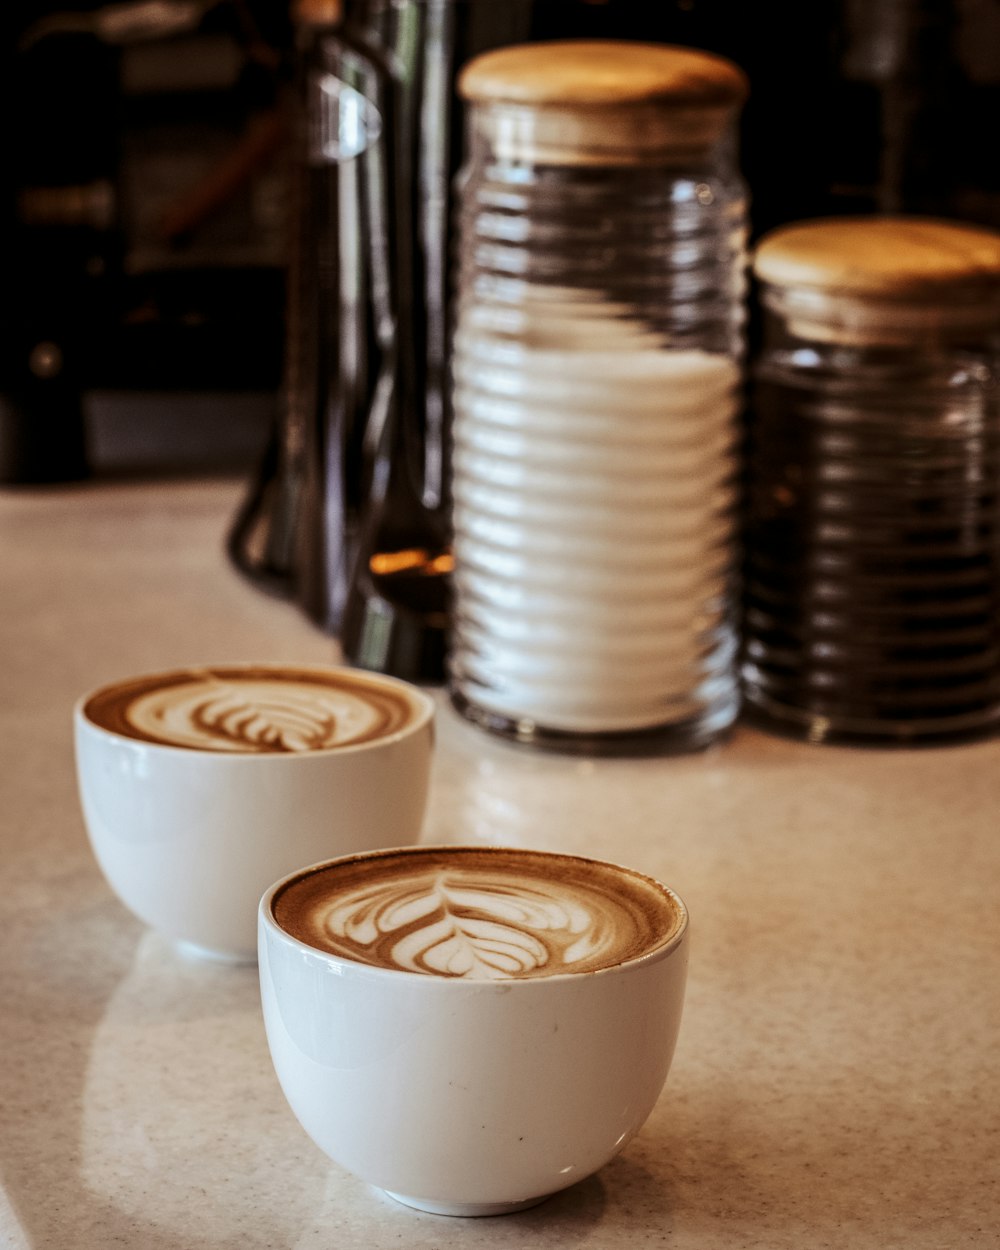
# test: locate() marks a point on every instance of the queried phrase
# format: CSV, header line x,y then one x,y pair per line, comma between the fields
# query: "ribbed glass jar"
x,y
872,591
597,366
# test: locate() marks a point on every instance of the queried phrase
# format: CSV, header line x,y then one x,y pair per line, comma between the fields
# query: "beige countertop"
x,y
836,1080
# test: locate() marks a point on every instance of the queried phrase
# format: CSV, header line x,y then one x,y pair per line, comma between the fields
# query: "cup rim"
x,y
423,703
267,921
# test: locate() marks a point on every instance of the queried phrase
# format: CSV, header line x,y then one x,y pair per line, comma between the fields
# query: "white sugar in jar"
x,y
597,370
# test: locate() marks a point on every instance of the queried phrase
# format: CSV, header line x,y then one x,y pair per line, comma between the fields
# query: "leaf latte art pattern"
x,y
239,718
256,710
267,724
477,913
448,926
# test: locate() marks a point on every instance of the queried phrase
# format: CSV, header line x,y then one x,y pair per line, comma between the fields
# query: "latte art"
x,y
252,716
252,709
456,925
477,913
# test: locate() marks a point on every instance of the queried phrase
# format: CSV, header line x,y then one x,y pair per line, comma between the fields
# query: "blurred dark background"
x,y
143,219
144,206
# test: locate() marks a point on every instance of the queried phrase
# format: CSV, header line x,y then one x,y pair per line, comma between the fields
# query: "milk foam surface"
x,y
251,710
484,914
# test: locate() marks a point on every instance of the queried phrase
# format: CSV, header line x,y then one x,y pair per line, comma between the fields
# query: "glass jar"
x,y
872,583
597,368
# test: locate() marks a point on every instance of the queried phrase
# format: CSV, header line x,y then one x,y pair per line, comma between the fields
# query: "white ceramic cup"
x,y
464,1095
188,838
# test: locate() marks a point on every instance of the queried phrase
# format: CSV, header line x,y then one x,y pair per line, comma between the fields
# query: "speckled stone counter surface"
x,y
836,1080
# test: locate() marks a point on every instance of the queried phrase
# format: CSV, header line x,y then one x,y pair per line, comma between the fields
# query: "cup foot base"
x,y
466,1208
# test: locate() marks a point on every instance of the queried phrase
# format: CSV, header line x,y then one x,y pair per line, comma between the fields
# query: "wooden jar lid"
x,y
601,71
877,254
600,101
881,279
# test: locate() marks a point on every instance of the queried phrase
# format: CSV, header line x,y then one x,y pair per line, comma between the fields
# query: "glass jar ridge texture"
x,y
872,566
597,369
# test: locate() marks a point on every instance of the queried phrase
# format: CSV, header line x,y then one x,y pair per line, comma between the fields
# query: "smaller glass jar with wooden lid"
x,y
872,542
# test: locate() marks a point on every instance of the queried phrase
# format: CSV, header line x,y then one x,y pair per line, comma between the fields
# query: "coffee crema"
x,y
481,913
252,709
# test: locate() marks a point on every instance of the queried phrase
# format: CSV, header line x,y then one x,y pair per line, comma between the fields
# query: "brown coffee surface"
x,y
486,913
265,709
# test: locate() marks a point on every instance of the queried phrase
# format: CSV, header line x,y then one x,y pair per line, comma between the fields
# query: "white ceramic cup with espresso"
x,y
474,1028
201,786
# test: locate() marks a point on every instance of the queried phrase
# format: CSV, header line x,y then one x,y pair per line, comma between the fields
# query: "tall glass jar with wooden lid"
x,y
597,369
872,594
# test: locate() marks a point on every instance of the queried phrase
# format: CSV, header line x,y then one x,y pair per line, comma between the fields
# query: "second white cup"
x,y
200,787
